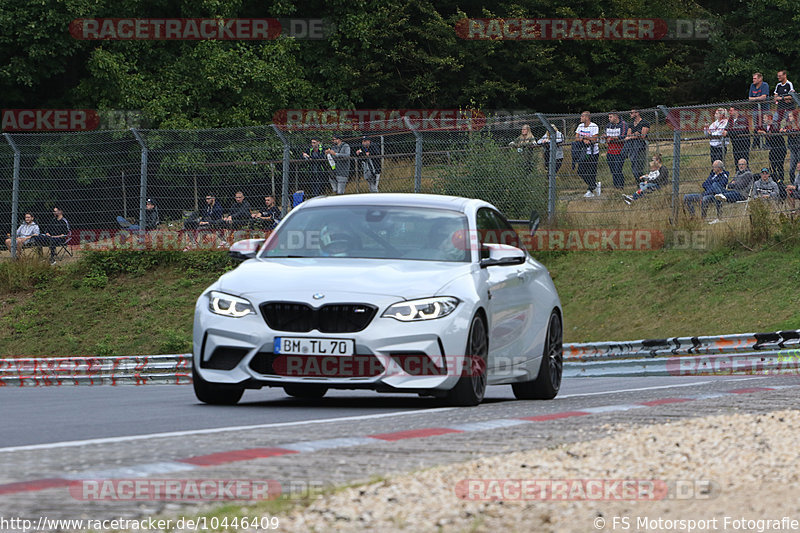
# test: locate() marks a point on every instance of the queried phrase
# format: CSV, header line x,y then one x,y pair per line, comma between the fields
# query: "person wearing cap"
x,y
341,154
766,186
151,220
370,164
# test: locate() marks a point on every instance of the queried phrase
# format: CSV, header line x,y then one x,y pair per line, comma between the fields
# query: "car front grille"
x,y
331,318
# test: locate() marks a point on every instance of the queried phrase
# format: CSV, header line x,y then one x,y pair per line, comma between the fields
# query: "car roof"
x,y
431,201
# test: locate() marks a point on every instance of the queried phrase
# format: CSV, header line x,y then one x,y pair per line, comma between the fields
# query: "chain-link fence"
x,y
622,169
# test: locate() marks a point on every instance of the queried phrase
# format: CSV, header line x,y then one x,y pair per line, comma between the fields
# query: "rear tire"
x,y
548,382
471,387
215,393
305,391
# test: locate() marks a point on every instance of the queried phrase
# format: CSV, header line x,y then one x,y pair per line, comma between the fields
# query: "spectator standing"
x,y
57,233
616,131
151,219
25,232
758,94
776,144
636,143
317,171
716,130
739,186
715,183
270,214
239,214
792,131
783,97
739,134
793,190
544,142
341,156
370,164
587,133
525,144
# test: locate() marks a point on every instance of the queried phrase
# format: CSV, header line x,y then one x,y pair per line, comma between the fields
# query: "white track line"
x,y
113,440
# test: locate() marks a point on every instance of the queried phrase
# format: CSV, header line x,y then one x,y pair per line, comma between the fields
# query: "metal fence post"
x,y
286,157
142,185
551,168
417,156
676,163
14,195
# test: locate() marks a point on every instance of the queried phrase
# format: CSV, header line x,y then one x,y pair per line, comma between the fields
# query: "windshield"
x,y
372,232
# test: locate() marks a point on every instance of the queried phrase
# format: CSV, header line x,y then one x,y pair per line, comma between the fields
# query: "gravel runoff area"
x,y
736,472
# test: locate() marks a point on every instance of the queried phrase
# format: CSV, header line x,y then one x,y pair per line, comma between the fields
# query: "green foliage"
x,y
483,169
761,223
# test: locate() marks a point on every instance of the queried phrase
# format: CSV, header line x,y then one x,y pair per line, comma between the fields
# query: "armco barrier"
x,y
741,353
134,370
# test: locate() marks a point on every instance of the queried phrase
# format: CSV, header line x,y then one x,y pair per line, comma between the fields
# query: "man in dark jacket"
x,y
151,220
269,216
239,213
340,153
318,178
210,217
715,183
56,233
370,164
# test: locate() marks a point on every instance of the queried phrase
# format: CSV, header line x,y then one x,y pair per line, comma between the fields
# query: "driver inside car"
x,y
336,240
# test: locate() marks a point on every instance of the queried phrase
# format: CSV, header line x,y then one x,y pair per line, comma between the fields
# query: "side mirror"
x,y
502,255
245,249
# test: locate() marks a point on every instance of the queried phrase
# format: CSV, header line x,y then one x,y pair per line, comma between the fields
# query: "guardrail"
x,y
134,370
742,353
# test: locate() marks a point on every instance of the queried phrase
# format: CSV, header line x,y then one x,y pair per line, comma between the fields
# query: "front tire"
x,y
470,388
215,393
548,382
305,391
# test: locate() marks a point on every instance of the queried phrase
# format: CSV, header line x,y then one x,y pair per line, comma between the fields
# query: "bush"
x,y
483,169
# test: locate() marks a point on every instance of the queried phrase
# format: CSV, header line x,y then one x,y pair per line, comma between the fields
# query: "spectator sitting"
x,y
207,218
657,178
544,142
25,232
58,231
766,186
740,185
269,216
793,190
151,220
239,214
715,183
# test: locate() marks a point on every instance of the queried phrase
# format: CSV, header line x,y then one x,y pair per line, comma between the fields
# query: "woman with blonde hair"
x,y
716,130
525,144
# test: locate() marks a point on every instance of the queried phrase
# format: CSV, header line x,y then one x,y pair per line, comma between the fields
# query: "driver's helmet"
x,y
333,231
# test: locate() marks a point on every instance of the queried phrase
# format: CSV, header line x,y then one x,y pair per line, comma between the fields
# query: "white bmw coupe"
x,y
391,292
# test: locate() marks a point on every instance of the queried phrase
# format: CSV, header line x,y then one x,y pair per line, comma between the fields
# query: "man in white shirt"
x,y
586,134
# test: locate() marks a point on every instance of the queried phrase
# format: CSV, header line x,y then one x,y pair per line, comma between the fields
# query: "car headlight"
x,y
424,309
227,305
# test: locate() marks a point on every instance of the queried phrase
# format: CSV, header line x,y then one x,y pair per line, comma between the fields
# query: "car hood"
x,y
403,279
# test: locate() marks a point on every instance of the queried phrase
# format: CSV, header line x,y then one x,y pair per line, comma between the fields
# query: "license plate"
x,y
313,346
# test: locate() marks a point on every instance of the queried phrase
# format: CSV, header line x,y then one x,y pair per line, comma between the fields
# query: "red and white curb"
x,y
294,448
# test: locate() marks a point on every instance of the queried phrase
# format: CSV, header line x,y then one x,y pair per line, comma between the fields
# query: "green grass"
x,y
129,303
